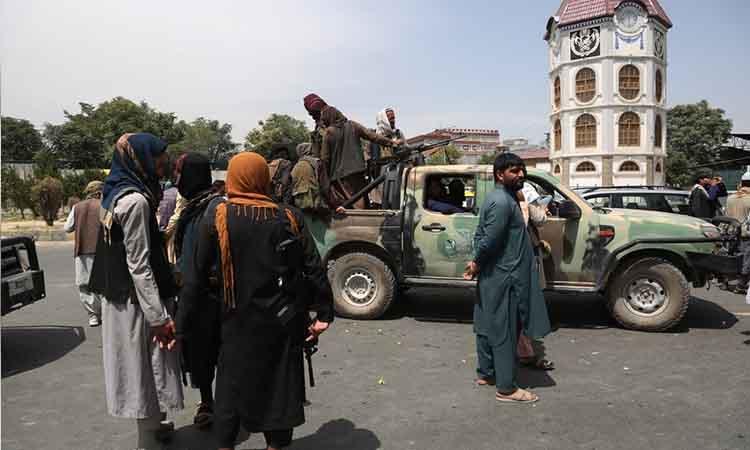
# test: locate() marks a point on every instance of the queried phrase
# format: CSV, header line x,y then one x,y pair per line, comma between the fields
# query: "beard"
x,y
515,186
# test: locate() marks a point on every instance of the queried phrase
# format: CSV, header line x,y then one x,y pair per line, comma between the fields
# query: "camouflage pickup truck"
x,y
643,262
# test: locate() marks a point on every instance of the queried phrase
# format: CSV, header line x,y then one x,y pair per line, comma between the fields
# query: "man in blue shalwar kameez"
x,y
509,294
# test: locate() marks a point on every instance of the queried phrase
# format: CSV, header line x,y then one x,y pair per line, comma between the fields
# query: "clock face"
x,y
630,18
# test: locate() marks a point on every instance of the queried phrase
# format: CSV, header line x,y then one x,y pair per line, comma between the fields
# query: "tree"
x,y
695,133
278,128
17,190
488,158
205,136
48,192
87,138
20,140
449,154
75,183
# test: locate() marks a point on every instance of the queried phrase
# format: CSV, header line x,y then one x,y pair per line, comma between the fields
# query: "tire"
x,y
650,295
364,287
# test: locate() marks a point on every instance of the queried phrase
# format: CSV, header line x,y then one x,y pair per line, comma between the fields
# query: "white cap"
x,y
746,175
529,193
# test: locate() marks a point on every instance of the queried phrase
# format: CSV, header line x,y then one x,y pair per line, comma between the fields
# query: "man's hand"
x,y
471,271
316,329
398,142
341,210
165,335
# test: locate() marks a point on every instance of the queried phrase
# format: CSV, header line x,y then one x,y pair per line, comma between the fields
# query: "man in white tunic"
x,y
141,366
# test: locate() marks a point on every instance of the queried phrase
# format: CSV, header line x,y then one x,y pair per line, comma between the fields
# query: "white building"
x,y
608,79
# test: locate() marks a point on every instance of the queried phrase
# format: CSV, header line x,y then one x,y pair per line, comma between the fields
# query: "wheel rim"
x,y
646,296
359,287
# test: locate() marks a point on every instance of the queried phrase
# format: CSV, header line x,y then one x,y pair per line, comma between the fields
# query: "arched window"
x,y
657,132
586,131
629,166
659,86
557,92
557,169
586,166
585,85
630,82
558,135
658,167
629,130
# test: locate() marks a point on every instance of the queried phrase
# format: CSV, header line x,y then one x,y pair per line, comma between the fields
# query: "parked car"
x,y
642,262
22,278
644,198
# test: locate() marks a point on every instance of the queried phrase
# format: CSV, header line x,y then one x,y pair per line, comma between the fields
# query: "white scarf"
x,y
383,124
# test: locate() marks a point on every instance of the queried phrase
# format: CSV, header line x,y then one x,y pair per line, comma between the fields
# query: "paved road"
x,y
613,389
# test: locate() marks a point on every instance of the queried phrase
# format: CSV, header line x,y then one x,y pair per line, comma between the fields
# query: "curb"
x,y
40,235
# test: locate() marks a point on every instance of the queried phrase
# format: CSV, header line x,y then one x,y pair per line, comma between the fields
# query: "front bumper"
x,y
23,288
715,264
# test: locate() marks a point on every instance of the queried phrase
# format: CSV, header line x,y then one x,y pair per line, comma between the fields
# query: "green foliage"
x,y
694,134
488,158
278,128
46,165
75,183
16,191
87,138
48,193
209,137
449,154
20,140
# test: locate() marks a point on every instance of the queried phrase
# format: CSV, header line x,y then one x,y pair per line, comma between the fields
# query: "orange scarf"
x,y
248,183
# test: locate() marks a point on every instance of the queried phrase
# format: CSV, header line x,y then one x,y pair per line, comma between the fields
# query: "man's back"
x,y
738,205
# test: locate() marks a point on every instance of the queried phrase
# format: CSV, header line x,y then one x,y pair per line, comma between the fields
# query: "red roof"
x,y
574,11
533,153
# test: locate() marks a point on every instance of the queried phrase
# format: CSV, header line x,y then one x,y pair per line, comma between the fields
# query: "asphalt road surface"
x,y
406,381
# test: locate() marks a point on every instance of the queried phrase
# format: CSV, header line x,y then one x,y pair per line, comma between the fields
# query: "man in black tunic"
x,y
260,379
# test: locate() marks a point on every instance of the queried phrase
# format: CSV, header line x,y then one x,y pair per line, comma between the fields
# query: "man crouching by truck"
x,y
509,293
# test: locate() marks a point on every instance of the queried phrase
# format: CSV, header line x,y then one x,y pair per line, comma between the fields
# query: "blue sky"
x,y
466,64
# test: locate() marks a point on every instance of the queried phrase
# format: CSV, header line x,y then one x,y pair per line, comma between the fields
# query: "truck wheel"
x,y
650,295
363,286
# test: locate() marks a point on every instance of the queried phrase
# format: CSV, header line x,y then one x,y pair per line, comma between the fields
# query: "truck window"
x,y
450,193
679,204
599,200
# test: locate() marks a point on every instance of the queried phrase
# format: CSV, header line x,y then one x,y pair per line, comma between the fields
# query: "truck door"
x,y
446,211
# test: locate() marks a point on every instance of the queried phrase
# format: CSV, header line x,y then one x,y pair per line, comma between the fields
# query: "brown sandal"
x,y
519,396
484,382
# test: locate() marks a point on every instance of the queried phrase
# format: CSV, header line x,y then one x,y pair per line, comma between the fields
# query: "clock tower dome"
x,y
608,85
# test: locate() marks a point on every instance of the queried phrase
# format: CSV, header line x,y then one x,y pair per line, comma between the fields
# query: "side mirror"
x,y
568,210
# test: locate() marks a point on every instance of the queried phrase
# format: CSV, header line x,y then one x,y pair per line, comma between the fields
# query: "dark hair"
x,y
505,161
745,183
701,175
280,151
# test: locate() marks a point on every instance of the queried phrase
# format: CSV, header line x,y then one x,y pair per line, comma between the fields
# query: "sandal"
x,y
204,416
519,396
484,381
539,364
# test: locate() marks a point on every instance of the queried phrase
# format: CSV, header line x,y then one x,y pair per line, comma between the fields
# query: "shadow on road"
x,y
585,311
26,348
339,434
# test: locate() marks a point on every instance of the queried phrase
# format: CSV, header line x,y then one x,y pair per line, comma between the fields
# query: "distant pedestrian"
x,y
167,205
508,288
84,221
700,203
141,370
738,207
718,193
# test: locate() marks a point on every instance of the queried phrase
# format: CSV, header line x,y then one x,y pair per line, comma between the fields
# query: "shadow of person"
x,y
529,377
26,348
339,434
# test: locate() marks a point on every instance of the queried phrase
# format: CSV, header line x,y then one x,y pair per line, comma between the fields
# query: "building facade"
x,y
474,144
608,92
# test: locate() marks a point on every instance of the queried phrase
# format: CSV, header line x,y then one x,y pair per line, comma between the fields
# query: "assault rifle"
x,y
413,154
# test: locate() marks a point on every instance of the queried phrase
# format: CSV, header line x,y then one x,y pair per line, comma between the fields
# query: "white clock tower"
x,y
608,80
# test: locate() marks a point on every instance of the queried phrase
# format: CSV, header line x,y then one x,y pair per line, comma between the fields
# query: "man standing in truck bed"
x,y
508,284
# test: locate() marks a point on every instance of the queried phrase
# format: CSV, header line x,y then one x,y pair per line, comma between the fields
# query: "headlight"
x,y
710,232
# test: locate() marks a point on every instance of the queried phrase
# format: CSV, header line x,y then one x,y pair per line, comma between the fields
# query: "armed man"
x,y
314,106
343,157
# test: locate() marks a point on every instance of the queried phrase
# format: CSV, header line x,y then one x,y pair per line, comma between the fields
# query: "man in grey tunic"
x,y
84,221
141,368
